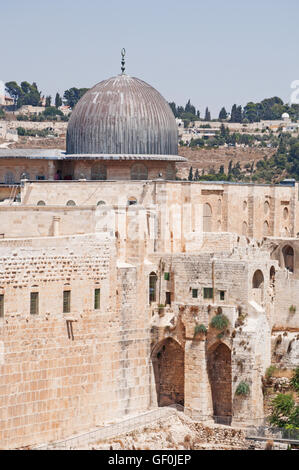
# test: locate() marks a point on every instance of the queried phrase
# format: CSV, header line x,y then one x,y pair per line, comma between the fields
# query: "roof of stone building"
x,y
122,115
57,154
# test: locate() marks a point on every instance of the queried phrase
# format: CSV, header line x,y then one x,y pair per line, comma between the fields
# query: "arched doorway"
x,y
220,377
153,287
207,217
288,257
169,370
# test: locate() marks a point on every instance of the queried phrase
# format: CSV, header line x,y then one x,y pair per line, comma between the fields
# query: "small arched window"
x,y
152,287
288,257
265,228
207,217
41,203
258,280
139,172
70,203
285,213
101,203
244,228
272,274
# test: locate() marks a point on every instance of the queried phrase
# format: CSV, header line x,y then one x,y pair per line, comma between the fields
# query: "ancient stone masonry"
x,y
123,289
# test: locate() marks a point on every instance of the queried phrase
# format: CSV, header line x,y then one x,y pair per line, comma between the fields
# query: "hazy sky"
x,y
214,52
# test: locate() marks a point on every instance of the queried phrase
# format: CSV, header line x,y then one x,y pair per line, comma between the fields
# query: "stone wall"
x,y
62,373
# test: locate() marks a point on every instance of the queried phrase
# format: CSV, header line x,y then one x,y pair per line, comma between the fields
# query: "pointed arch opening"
x,y
220,377
288,258
168,360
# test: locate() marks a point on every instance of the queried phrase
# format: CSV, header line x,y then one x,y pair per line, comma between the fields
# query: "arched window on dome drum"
x,y
101,203
98,172
169,175
70,203
9,178
41,203
139,172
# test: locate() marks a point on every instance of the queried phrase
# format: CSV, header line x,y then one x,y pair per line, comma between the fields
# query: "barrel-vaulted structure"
x,y
122,115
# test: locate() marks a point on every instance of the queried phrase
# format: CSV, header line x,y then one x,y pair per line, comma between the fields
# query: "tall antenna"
x,y
123,53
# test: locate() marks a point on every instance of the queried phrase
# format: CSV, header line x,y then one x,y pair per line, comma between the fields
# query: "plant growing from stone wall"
x,y
295,380
200,329
220,322
292,309
243,389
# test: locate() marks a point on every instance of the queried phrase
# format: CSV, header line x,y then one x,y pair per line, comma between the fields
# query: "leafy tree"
x,y
58,100
52,111
196,176
14,90
48,101
223,114
285,414
207,114
25,94
73,95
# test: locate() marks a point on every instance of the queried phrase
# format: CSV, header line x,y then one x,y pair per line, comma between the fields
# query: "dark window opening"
x,y
34,303
97,298
66,301
207,292
1,305
168,298
222,295
194,293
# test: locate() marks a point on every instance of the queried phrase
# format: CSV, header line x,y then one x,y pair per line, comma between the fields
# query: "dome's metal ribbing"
x,y
122,115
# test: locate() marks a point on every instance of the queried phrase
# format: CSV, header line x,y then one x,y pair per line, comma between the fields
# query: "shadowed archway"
x,y
220,377
169,370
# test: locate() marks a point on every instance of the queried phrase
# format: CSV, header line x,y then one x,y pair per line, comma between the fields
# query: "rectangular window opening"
x,y
168,298
1,305
166,276
222,294
194,293
34,303
207,292
66,301
97,299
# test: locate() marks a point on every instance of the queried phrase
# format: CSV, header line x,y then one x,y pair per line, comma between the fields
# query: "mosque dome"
x,y
123,116
285,116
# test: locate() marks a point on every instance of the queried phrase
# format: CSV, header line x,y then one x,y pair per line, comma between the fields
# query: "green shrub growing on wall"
x,y
295,380
285,413
242,389
200,329
270,371
220,322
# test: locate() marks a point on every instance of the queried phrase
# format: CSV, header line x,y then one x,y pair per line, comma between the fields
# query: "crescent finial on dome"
x,y
123,53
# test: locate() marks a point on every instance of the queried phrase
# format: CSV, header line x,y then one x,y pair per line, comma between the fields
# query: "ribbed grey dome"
x,y
122,115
